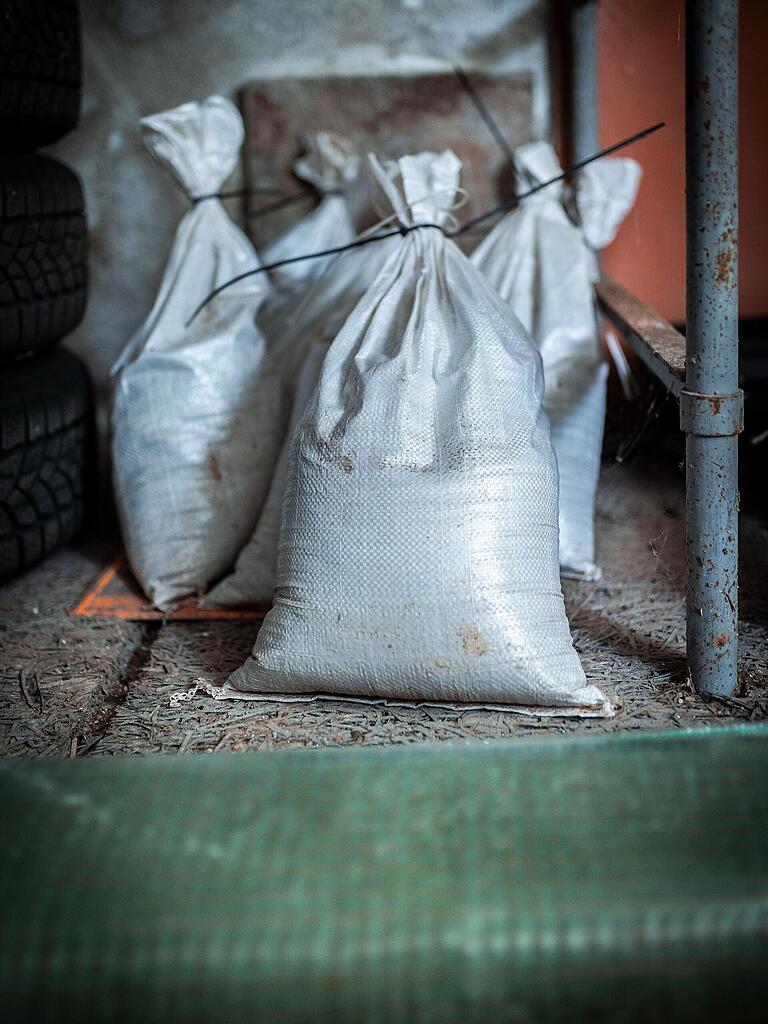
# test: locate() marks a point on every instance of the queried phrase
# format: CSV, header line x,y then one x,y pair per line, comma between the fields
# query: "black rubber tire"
x,y
46,445
43,253
40,72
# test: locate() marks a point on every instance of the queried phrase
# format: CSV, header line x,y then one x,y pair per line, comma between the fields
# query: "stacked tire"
x,y
46,434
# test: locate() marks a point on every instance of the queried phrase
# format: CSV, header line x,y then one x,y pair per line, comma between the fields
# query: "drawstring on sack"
x,y
461,199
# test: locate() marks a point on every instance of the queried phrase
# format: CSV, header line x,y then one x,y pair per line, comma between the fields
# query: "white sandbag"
x,y
605,193
322,309
253,579
299,338
331,164
418,545
196,410
542,264
306,332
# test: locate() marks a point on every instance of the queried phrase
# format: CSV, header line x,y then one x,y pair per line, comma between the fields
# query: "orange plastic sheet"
x,y
115,594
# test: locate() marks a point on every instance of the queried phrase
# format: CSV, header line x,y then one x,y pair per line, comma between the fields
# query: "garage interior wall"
x,y
141,56
146,55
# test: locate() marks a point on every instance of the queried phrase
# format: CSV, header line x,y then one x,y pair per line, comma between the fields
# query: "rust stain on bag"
x,y
213,466
472,640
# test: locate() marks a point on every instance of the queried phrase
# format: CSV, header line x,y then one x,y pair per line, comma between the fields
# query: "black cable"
x,y
235,193
278,204
508,204
291,259
290,197
407,229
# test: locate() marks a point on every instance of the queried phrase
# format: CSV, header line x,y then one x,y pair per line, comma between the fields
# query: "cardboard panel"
x,y
389,115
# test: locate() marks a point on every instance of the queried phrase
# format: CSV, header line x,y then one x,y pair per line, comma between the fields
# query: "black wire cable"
x,y
568,173
235,193
485,113
291,259
496,211
291,197
278,204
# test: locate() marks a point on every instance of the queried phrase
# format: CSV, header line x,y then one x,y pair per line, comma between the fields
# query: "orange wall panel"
x,y
641,55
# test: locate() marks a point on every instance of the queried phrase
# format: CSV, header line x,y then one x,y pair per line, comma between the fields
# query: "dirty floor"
x,y
84,687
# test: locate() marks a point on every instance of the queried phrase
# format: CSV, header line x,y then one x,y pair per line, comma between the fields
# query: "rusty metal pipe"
x,y
711,404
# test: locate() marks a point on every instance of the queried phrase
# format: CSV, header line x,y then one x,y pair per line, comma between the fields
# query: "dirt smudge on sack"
x,y
472,640
213,466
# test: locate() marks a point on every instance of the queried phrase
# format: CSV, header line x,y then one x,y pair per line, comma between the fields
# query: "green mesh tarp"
x,y
612,879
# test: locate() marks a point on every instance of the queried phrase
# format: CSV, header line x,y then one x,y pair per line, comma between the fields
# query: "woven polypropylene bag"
x,y
306,332
196,412
418,545
253,578
331,164
295,309
543,265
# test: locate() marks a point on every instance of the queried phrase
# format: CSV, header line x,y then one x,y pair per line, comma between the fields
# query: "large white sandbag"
x,y
252,580
542,264
418,545
299,338
195,417
331,164
300,331
605,192
307,330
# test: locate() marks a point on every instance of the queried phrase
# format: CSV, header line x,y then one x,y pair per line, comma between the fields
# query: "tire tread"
x,y
43,253
45,431
40,72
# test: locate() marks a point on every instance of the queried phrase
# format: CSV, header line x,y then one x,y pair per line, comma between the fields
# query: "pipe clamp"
x,y
711,415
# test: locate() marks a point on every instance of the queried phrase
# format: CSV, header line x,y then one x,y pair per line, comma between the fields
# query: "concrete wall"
x,y
142,56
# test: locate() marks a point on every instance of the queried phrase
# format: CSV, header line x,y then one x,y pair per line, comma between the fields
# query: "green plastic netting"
x,y
611,879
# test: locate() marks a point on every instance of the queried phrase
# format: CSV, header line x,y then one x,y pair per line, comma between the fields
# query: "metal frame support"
x,y
584,117
711,404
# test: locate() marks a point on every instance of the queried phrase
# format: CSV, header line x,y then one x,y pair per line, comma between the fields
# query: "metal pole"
x,y
711,404
584,122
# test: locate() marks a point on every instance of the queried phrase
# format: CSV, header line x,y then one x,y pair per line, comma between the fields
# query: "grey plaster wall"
x,y
142,56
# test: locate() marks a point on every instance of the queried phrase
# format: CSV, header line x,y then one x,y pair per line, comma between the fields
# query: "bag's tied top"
x,y
331,163
536,163
199,143
604,191
423,188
